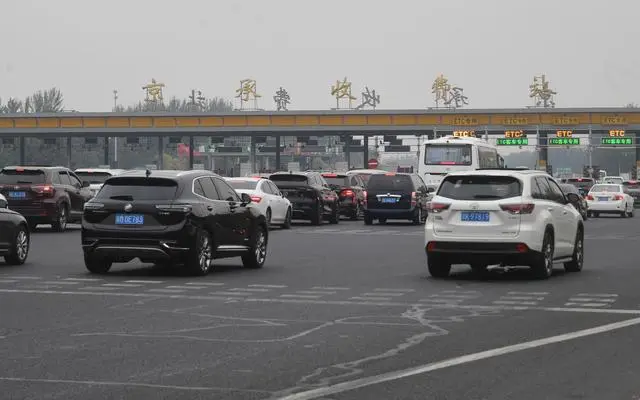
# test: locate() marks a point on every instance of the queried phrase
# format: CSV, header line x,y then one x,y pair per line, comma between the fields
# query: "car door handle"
x,y
209,208
550,209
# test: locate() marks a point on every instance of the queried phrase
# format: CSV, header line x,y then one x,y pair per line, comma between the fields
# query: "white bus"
x,y
451,154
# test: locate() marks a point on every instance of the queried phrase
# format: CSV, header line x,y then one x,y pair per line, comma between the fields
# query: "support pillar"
x,y
252,154
21,144
190,152
69,152
105,150
636,141
160,152
543,151
365,145
347,151
277,153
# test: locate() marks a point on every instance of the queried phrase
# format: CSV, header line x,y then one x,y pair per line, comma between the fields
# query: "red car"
x,y
350,191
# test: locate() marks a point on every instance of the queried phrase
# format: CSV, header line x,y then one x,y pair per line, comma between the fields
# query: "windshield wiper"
x,y
486,196
124,197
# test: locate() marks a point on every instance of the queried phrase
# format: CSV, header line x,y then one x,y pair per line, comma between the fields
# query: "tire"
x,y
97,265
356,213
200,257
623,214
542,265
257,254
287,220
368,220
417,218
268,218
438,266
479,268
632,213
316,219
576,263
596,214
20,247
335,215
60,223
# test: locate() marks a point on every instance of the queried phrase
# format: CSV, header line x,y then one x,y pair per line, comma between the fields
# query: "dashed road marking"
x,y
570,304
121,285
184,287
602,300
24,277
324,292
469,292
454,296
529,293
143,282
269,286
205,283
300,296
232,293
8,281
257,290
59,283
83,279
597,294
165,291
394,290
522,298
523,303
392,294
370,298
330,288
99,288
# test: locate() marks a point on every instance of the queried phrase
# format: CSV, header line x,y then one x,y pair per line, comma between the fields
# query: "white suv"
x,y
502,216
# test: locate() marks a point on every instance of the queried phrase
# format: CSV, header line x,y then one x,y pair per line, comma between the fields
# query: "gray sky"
x,y
491,48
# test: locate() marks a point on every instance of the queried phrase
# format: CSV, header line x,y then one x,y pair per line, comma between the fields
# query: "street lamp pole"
x,y
115,139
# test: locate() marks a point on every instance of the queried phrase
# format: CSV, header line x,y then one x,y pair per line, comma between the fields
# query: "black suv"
x,y
310,196
396,196
166,217
45,195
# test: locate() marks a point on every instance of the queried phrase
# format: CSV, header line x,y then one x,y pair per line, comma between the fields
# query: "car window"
x,y
21,175
558,196
265,187
64,178
274,188
131,188
401,183
354,181
246,185
605,188
225,191
55,178
545,189
337,181
210,191
290,178
93,177
74,180
480,187
197,188
537,192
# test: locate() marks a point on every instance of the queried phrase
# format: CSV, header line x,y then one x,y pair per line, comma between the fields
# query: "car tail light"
x,y
522,248
414,199
438,207
518,208
44,190
618,197
366,201
431,246
184,208
347,193
589,197
256,199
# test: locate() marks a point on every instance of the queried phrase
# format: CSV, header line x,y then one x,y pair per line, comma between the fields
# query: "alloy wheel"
x,y
204,253
22,245
261,247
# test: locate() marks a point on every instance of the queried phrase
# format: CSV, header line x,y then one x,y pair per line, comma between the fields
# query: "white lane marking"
x,y
440,301
143,282
300,296
205,283
99,288
329,288
58,283
315,292
165,291
8,281
530,293
24,277
452,362
396,294
570,304
461,291
257,290
393,290
269,286
521,298
370,298
601,300
82,279
41,286
597,295
524,303
128,384
383,232
121,285
232,293
184,287
454,296
356,232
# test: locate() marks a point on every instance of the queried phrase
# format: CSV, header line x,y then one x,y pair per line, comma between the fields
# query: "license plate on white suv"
x,y
475,216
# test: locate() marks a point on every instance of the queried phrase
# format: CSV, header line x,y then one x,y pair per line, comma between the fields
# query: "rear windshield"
x,y
246,185
613,180
13,176
632,185
93,177
136,188
569,188
606,188
401,183
288,178
480,187
337,181
441,154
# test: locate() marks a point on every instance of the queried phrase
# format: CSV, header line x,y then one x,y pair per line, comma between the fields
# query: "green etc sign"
x,y
616,138
513,138
563,138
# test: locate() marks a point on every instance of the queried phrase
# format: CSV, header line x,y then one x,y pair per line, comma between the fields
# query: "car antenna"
x,y
147,173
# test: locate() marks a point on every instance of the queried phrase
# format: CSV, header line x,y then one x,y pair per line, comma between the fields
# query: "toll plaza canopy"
x,y
280,123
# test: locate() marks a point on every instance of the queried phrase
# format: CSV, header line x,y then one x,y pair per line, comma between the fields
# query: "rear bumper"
x,y
304,209
35,211
347,207
399,213
606,206
481,252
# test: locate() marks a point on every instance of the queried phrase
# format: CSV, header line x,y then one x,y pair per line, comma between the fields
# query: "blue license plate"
x,y
388,200
603,199
474,216
129,219
17,195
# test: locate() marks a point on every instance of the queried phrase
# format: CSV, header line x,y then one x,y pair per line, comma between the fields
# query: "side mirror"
x,y
573,198
86,184
245,198
431,190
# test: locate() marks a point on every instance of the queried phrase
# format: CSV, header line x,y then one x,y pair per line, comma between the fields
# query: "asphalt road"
x,y
338,312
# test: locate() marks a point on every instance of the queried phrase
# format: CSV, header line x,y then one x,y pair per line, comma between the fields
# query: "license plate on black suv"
x,y
129,219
